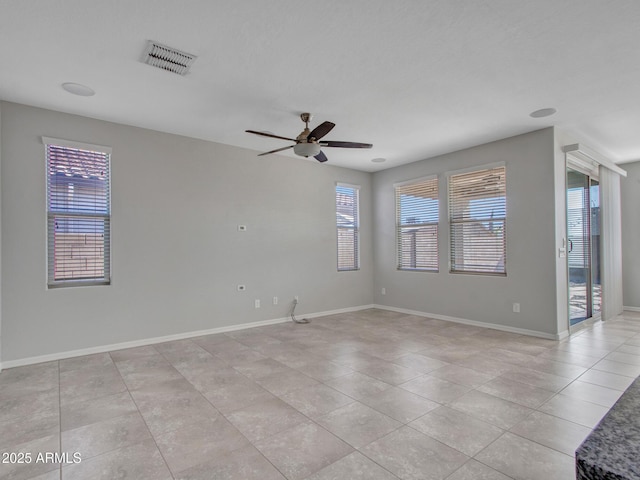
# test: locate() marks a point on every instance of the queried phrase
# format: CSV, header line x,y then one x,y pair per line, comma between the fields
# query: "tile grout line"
x,y
140,413
150,434
278,397
309,419
219,412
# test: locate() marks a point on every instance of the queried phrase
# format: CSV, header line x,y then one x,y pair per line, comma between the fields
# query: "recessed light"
x,y
78,89
543,112
378,160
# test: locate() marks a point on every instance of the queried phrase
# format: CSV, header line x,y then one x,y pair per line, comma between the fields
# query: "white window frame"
x,y
453,268
399,225
355,228
74,282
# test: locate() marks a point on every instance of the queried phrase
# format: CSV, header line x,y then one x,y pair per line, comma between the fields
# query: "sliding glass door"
x,y
583,246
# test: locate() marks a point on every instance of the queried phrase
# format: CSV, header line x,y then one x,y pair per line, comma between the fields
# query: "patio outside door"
x,y
583,246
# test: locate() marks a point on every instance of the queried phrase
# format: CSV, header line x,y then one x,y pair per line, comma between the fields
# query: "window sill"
x,y
428,270
78,283
486,274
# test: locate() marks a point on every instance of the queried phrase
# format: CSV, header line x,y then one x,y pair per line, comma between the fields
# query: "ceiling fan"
x,y
308,143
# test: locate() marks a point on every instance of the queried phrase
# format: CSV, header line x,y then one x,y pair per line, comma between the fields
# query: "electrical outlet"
x,y
241,288
275,300
516,308
383,291
257,303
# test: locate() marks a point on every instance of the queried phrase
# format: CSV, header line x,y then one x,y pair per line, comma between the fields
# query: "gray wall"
x,y
176,253
531,264
630,196
0,236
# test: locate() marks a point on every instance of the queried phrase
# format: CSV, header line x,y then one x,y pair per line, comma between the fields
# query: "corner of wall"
x,y
560,138
630,199
0,236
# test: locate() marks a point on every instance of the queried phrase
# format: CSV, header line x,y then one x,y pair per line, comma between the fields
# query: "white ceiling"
x,y
416,78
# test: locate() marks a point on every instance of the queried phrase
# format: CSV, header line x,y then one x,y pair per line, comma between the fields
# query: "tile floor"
x,y
372,395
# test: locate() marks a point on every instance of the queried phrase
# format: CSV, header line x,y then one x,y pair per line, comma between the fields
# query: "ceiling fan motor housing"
x,y
303,135
305,147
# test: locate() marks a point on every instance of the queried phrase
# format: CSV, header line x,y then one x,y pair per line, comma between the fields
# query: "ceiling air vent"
x,y
168,58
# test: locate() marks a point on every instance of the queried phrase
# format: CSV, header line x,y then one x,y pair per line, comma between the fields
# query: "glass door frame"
x,y
591,173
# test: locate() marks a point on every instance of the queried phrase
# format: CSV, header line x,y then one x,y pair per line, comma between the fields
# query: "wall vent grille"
x,y
168,58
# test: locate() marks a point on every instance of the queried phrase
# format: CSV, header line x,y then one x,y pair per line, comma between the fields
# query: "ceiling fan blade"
x,y
333,143
276,150
321,130
321,157
271,135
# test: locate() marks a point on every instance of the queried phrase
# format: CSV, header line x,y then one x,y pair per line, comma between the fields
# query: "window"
x,y
78,211
348,225
417,210
477,215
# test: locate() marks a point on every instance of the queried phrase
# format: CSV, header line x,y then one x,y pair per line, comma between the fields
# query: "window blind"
x,y
78,211
477,216
348,225
417,210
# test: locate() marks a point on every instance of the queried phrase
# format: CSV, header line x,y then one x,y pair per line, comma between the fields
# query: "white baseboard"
x,y
632,309
168,338
334,312
475,323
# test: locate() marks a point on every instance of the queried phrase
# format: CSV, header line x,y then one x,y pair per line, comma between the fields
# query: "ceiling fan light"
x,y
306,149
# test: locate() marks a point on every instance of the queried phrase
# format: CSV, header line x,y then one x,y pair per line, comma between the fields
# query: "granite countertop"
x,y
612,450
